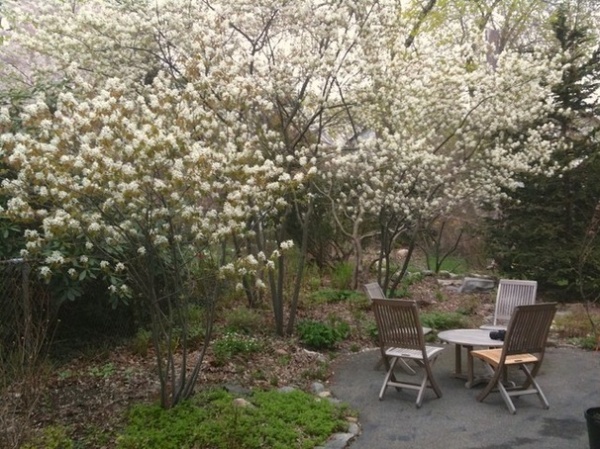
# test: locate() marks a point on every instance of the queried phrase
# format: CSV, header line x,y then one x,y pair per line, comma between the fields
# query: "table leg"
x,y
458,360
469,376
471,379
470,368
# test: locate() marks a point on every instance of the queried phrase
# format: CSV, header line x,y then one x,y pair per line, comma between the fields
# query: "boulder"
x,y
475,285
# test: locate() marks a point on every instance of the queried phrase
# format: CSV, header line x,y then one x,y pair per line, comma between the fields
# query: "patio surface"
x,y
570,379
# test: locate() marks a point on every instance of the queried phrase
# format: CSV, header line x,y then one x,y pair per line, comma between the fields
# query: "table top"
x,y
470,337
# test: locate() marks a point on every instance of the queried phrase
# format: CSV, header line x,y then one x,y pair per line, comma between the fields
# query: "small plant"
x,y
259,375
195,334
312,278
402,292
244,320
359,304
141,342
341,277
330,296
318,335
232,344
589,343
65,374
104,371
341,327
52,437
284,360
319,372
468,306
372,331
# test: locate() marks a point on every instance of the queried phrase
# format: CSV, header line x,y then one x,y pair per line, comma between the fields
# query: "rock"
x,y
473,285
242,403
317,355
424,302
339,440
449,282
286,389
317,387
354,428
237,390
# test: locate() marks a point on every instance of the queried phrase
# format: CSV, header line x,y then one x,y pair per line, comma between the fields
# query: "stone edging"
x,y
338,440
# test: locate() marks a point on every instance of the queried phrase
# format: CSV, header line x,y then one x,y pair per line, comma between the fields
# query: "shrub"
x,y
317,335
244,320
440,321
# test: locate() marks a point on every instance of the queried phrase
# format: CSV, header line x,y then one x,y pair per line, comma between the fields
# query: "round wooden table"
x,y
468,339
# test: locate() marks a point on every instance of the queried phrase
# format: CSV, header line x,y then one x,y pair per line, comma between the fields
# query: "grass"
x,y
452,264
273,419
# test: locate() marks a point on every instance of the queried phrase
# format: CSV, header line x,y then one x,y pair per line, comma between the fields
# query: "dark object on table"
x,y
498,335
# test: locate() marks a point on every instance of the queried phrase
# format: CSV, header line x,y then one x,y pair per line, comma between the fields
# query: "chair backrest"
x,y
398,323
528,329
374,291
512,293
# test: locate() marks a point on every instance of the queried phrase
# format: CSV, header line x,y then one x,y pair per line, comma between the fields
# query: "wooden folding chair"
x,y
524,347
374,291
511,293
401,338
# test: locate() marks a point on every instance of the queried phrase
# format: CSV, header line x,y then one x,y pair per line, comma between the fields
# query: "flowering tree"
x,y
153,176
174,128
439,128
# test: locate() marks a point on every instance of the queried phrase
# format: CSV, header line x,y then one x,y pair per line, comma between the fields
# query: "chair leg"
x,y
536,386
496,373
432,382
422,391
389,374
508,401
406,367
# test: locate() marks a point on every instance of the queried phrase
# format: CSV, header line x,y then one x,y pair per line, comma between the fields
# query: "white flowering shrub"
x,y
181,127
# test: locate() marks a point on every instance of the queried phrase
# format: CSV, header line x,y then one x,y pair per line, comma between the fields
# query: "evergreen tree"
x,y
544,228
